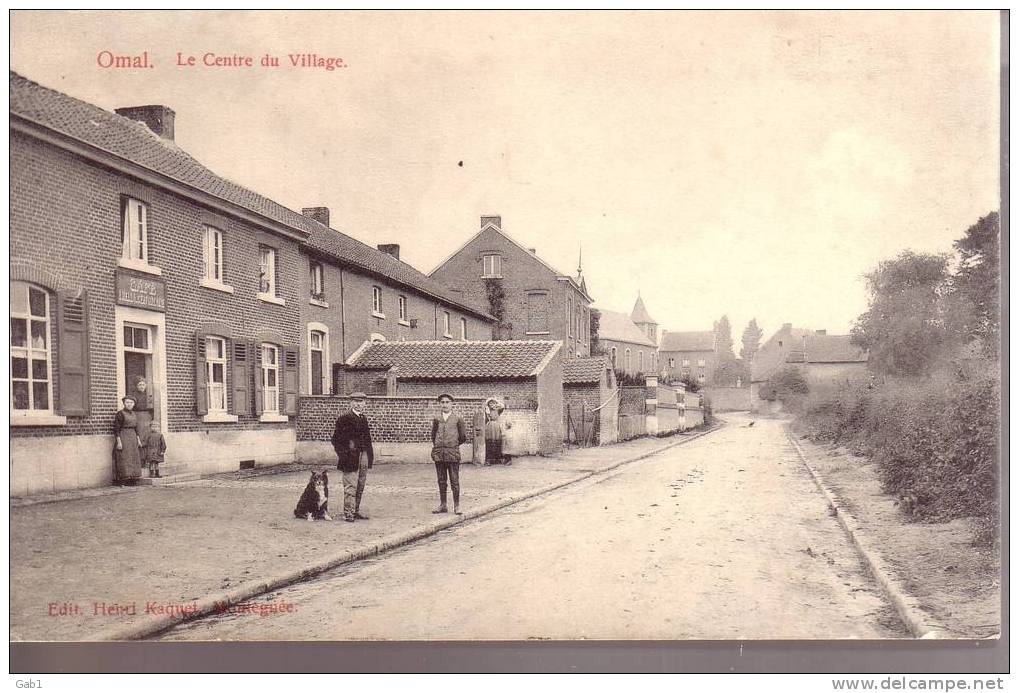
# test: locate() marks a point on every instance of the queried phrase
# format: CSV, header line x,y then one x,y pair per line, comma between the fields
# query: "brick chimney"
x,y
495,220
532,251
319,214
391,249
159,119
787,327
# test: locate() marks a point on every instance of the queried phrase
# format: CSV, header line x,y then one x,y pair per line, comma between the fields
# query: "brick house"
x,y
629,348
828,361
130,259
527,376
771,357
688,354
352,293
539,301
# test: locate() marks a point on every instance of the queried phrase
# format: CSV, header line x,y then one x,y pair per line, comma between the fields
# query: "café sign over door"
x,y
142,292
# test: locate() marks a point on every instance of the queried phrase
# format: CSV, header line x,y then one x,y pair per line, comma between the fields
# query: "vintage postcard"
x,y
489,326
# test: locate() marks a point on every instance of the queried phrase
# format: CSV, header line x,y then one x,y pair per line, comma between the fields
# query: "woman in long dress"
x,y
143,408
494,433
126,451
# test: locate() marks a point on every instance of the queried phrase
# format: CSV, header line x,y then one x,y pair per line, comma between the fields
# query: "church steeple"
x,y
642,319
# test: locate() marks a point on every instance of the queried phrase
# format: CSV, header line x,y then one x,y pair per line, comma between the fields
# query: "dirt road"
x,y
724,538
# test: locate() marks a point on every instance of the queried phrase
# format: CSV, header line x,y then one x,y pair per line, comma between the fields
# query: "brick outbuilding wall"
x,y
392,419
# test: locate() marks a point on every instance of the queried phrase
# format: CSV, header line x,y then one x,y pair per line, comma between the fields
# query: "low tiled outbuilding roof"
x,y
618,327
589,370
133,142
688,341
457,360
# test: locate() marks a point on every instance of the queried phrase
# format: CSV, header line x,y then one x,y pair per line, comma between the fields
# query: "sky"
x,y
753,164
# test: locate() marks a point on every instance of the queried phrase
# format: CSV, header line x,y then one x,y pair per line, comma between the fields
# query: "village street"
x,y
726,537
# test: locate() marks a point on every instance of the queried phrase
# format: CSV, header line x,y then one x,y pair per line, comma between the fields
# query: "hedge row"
x,y
935,438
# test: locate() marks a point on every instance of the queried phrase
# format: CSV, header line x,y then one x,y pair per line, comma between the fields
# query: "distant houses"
x,y
631,347
688,355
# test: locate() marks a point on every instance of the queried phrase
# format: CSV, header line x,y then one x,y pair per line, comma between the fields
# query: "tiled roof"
x,y
588,370
639,313
688,341
134,142
831,348
620,328
456,360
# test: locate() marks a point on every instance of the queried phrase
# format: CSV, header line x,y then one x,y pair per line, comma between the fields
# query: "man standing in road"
x,y
448,433
352,440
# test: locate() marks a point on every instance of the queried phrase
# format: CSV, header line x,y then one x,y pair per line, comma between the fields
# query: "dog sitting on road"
x,y
312,504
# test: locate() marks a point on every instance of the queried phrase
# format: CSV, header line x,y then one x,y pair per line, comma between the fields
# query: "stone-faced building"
x,y
538,301
628,347
690,354
352,293
828,361
129,260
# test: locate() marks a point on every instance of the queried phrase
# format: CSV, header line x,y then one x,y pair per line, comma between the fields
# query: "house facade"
x,y
771,357
627,346
828,362
688,354
537,301
130,260
352,293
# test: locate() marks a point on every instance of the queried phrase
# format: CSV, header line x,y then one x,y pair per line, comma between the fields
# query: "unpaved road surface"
x,y
724,538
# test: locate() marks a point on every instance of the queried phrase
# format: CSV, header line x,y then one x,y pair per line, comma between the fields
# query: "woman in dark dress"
x,y
127,456
143,397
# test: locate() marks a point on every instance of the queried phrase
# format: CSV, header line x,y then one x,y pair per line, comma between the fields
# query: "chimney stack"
x,y
495,220
787,327
159,119
319,214
532,251
391,249
821,332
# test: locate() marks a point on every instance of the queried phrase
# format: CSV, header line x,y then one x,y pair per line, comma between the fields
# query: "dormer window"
x,y
491,266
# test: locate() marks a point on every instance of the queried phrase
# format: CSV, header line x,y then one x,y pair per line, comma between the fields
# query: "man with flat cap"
x,y
352,441
448,433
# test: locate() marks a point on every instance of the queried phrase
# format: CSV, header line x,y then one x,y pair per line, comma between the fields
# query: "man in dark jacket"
x,y
448,433
352,440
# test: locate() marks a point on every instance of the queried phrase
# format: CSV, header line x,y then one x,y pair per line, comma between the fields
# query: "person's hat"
x,y
358,395
499,405
128,397
444,394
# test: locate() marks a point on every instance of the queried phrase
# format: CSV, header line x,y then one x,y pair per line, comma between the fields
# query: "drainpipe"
x,y
343,321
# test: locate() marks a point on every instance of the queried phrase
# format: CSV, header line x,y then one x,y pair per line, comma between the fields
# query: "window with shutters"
x,y
537,313
215,373
31,365
270,379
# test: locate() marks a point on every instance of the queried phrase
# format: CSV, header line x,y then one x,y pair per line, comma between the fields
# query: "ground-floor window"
x,y
270,379
31,384
215,372
317,346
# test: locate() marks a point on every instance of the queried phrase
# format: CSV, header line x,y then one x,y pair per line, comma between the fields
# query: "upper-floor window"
x,y
403,308
537,313
613,357
270,379
267,271
700,363
317,283
491,266
213,253
463,328
31,382
569,314
377,301
134,235
686,362
215,373
445,324
672,363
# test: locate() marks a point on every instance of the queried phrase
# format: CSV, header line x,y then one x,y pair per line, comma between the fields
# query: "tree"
x,y
785,384
691,383
596,349
977,279
751,341
907,325
725,358
496,295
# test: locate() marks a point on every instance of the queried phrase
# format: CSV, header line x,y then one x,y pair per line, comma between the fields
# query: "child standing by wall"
x,y
155,450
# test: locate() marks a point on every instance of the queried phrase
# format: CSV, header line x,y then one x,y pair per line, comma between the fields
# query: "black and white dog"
x,y
312,504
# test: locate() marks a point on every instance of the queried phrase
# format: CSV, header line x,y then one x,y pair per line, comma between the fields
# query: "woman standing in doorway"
x,y
126,452
142,407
